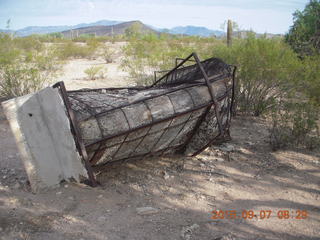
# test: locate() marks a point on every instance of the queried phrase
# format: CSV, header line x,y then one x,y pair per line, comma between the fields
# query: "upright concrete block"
x,y
42,131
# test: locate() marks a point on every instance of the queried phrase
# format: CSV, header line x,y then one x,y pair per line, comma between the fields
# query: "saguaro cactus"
x,y
229,33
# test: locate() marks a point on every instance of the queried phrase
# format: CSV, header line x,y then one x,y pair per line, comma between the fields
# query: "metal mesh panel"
x,y
213,67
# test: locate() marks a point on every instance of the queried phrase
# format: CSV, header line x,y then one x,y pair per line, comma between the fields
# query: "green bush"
x,y
18,80
310,79
108,54
25,65
73,50
30,43
93,72
8,52
267,70
304,35
295,124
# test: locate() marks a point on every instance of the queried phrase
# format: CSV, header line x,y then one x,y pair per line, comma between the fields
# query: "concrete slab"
x,y
42,132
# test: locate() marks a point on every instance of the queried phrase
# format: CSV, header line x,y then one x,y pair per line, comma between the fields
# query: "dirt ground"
x,y
168,197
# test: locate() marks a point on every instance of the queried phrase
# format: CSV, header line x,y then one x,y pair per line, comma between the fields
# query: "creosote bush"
x,y
295,124
18,80
26,65
108,54
73,50
94,72
267,70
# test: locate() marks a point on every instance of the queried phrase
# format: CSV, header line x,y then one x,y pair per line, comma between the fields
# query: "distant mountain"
x,y
40,30
107,30
51,29
194,31
6,31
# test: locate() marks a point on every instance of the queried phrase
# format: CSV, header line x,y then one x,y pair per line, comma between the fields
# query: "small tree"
x,y
304,35
134,30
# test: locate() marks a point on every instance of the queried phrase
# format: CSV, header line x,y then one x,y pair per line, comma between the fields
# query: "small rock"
x,y
100,196
146,210
66,186
71,198
58,193
166,175
4,177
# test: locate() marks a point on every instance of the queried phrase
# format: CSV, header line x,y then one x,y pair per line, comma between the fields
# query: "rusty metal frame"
x,y
203,109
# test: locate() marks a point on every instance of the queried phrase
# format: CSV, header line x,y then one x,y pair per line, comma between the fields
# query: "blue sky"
x,y
259,15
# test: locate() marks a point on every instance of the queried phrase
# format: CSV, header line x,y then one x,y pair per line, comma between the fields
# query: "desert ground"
x,y
167,197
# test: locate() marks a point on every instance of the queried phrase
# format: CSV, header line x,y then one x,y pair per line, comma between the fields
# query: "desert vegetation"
x,y
26,65
95,72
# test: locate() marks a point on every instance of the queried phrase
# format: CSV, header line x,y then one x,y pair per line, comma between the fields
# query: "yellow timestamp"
x,y
262,214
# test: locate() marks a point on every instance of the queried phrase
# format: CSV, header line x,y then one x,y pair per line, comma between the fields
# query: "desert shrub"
x,y
25,65
73,50
52,38
30,43
94,72
295,124
93,43
310,84
18,80
8,52
108,54
267,70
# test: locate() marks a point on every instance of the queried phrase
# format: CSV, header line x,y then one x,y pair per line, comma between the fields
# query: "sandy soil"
x,y
74,77
180,192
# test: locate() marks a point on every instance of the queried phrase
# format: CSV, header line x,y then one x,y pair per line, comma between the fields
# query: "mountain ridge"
x,y
101,30
184,30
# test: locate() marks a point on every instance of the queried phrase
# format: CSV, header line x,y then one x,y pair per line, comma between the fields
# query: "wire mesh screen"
x,y
214,68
